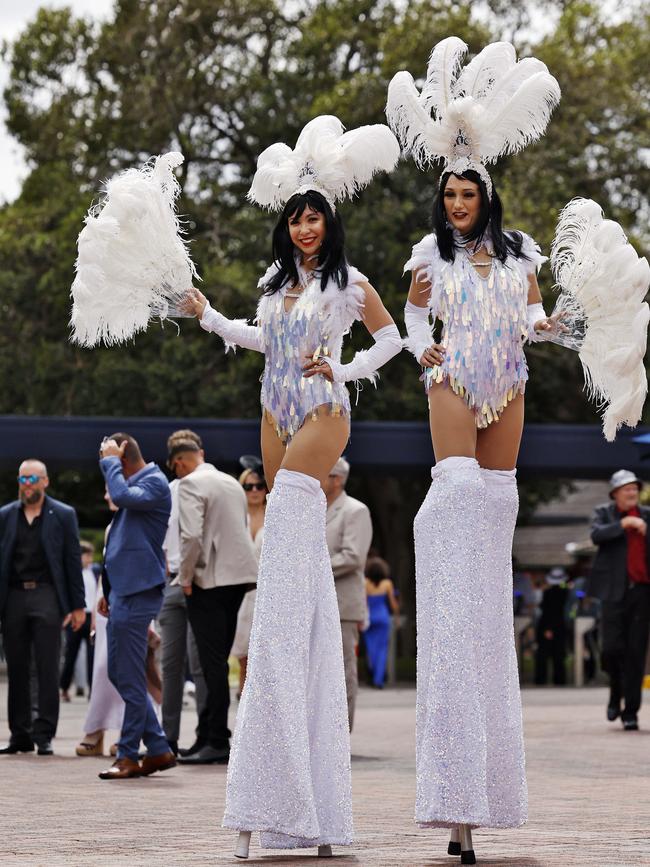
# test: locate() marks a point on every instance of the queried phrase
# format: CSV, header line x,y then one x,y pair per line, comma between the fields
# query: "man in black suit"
x,y
41,588
620,578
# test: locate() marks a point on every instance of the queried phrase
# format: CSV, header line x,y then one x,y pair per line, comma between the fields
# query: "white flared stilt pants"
x,y
289,769
469,747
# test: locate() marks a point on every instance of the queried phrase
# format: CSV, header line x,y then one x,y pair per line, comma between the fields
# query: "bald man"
x,y
41,589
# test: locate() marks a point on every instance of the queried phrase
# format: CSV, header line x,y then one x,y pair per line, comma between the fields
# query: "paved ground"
x,y
589,798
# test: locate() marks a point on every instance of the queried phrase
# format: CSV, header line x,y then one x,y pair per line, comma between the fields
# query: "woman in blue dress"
x,y
380,594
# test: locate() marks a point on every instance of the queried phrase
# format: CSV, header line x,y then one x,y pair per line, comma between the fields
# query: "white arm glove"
x,y
535,313
234,332
418,328
366,363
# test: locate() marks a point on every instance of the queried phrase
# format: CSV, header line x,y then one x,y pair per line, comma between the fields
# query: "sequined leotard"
x,y
485,324
315,323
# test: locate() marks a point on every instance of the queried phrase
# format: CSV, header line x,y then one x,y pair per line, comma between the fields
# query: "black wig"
x,y
331,256
490,214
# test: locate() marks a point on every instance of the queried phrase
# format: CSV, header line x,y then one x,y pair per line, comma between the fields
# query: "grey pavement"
x,y
589,788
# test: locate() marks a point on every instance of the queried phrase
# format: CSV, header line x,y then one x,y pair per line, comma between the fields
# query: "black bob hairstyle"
x,y
331,256
491,213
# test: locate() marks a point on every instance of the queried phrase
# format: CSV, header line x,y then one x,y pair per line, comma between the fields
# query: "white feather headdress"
x,y
471,117
326,159
602,283
132,264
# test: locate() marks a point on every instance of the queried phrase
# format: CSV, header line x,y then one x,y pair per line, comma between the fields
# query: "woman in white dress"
x,y
255,488
105,708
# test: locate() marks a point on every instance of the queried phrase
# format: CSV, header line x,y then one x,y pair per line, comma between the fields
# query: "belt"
x,y
27,585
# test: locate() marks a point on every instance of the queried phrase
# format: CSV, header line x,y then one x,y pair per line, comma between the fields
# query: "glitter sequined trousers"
x,y
469,747
289,770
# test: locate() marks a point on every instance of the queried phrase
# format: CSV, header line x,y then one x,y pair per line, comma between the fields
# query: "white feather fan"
x,y
602,285
326,159
468,118
132,263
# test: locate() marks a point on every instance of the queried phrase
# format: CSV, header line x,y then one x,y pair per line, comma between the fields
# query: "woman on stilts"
x,y
480,281
289,770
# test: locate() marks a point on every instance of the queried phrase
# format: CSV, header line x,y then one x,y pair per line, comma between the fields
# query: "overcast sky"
x,y
14,15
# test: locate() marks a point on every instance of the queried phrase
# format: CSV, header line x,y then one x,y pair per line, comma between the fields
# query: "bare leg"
x,y
453,429
273,451
498,444
313,451
243,662
317,446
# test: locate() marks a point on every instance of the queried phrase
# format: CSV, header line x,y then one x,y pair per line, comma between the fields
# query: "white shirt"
x,y
90,587
172,543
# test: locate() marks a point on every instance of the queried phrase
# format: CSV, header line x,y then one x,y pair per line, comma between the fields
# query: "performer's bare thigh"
x,y
453,429
314,449
273,451
498,444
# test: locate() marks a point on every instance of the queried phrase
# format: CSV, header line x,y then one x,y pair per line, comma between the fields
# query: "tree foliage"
x,y
221,83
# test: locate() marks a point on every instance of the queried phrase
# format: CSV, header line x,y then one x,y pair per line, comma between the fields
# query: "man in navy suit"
x,y
41,588
134,580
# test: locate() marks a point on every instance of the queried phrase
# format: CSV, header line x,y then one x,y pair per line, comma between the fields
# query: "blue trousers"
x,y
128,623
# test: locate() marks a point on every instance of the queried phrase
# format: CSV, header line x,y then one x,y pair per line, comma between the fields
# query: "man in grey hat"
x,y
620,578
349,534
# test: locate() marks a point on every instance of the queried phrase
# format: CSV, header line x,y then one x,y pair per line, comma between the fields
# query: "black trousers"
x,y
551,649
72,645
213,618
32,618
625,643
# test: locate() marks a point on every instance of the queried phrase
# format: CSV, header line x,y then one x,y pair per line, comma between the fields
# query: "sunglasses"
x,y
254,486
23,480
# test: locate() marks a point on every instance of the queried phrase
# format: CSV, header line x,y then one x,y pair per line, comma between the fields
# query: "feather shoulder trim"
x,y
533,253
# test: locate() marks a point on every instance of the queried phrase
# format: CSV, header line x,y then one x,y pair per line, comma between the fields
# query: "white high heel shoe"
x,y
244,839
243,842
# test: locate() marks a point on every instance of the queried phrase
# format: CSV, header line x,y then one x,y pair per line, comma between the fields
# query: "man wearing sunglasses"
x,y
41,588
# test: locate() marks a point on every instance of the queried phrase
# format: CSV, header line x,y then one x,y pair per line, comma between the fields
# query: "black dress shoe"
x,y
631,725
207,755
613,712
45,748
190,751
17,747
173,746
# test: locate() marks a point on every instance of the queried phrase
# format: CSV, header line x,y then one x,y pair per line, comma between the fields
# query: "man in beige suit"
x,y
217,567
349,534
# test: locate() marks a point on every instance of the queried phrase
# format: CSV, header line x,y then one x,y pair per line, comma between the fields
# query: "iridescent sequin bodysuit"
x,y
314,325
485,324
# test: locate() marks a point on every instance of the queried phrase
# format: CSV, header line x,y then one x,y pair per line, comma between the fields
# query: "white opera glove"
x,y
418,328
234,332
367,362
535,313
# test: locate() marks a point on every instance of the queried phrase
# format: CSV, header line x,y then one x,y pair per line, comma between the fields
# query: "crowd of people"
x,y
190,551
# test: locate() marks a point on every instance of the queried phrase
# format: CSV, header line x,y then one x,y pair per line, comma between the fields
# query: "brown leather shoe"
x,y
151,764
122,769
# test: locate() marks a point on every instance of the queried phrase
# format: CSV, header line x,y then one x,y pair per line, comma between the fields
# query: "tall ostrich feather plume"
x,y
471,116
335,163
602,284
133,264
